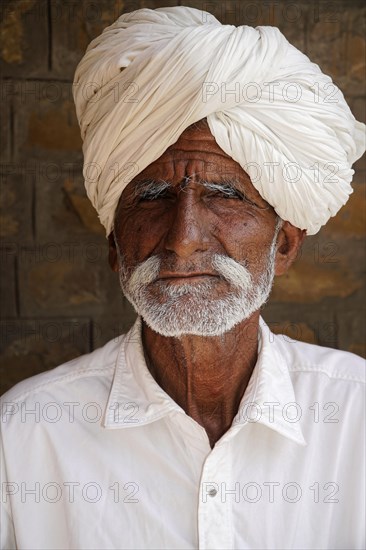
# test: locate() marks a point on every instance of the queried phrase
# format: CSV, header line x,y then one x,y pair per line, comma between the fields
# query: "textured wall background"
x,y
59,298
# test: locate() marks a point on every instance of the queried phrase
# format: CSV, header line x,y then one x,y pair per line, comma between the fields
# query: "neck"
x,y
206,376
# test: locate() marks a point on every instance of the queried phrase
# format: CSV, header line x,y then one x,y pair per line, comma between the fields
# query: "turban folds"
x,y
153,73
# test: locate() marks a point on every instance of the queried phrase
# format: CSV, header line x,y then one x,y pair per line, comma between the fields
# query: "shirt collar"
x,y
136,399
269,398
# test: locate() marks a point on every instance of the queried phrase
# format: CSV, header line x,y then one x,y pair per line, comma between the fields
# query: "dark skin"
x,y
206,376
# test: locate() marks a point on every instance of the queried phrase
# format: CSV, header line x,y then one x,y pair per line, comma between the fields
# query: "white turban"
x,y
153,73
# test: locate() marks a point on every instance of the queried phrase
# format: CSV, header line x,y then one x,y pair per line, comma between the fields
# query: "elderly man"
x,y
199,428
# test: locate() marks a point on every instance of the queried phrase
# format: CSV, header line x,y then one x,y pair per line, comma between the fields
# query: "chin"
x,y
208,320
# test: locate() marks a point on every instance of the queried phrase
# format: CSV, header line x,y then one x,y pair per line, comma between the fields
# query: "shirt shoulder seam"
x,y
64,377
317,369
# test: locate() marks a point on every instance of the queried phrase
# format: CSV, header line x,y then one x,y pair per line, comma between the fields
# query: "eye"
x,y
228,194
223,193
153,196
231,195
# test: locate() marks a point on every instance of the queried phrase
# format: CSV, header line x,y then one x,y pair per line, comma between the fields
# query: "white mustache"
x,y
230,270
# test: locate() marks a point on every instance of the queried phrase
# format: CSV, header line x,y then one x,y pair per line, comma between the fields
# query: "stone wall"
x,y
59,297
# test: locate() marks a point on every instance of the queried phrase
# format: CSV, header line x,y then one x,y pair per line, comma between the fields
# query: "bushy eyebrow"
x,y
227,187
150,188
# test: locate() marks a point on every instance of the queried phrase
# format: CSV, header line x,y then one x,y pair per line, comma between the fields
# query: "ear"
x,y
289,242
112,255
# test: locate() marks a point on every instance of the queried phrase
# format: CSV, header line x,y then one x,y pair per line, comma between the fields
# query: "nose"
x,y
188,231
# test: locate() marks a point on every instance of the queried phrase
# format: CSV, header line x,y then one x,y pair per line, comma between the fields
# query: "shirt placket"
x,y
215,507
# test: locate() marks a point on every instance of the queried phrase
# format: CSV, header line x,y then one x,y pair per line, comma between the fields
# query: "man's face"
x,y
195,242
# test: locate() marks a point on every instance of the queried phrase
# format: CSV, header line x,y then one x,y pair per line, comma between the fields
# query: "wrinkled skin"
x,y
206,376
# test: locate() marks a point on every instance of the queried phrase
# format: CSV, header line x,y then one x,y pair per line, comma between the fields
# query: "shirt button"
x,y
212,492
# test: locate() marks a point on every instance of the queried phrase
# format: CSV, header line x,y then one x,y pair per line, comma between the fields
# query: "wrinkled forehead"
x,y
197,156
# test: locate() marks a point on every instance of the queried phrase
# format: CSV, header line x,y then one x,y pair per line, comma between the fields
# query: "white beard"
x,y
191,308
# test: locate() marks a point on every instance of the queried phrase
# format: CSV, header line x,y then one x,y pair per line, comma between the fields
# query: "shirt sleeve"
x,y
7,531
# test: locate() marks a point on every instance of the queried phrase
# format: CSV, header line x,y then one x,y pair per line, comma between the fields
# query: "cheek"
x,y
245,238
138,234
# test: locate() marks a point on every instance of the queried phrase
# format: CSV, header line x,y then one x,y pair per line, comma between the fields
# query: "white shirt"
x,y
97,455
